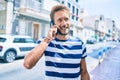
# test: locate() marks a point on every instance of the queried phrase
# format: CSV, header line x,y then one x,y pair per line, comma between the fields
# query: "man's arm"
x,y
35,54
32,58
84,72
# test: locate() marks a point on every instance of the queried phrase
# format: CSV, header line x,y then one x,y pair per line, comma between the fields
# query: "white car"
x,y
13,46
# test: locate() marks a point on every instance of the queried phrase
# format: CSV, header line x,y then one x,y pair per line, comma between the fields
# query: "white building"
x,y
6,22
109,25
96,26
76,27
31,17
27,17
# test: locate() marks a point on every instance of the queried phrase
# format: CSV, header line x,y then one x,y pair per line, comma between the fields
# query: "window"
x,y
69,5
77,11
34,5
39,0
71,32
23,40
76,0
29,40
19,40
101,18
2,39
2,27
17,3
63,2
73,11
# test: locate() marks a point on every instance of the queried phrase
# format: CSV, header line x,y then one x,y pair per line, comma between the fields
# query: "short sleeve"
x,y
84,54
38,42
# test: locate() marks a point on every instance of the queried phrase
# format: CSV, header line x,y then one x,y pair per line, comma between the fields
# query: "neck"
x,y
62,37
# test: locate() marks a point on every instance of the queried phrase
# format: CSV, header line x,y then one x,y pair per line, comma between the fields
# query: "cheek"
x,y
57,23
69,24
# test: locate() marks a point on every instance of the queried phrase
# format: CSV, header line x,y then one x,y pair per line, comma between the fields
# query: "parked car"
x,y
13,46
91,40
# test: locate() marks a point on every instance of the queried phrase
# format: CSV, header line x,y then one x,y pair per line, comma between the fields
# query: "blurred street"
x,y
109,69
96,25
103,71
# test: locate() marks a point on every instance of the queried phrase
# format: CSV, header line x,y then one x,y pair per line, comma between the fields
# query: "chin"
x,y
66,33
63,32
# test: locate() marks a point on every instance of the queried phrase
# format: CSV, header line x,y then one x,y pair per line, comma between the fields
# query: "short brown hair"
x,y
56,8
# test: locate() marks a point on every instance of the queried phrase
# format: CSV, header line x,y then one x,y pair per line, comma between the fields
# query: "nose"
x,y
64,22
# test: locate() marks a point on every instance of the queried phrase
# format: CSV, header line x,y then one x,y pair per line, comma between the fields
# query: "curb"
x,y
93,62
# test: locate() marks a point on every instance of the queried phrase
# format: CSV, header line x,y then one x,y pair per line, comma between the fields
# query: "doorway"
x,y
36,32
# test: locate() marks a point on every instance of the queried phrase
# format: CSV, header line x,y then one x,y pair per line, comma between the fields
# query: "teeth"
x,y
63,28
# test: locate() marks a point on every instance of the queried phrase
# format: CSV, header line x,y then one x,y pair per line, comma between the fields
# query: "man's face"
x,y
62,20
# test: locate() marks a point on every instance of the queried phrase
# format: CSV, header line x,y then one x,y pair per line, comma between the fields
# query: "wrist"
x,y
47,40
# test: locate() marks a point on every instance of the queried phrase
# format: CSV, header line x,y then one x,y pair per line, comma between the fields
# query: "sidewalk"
x,y
91,63
109,69
96,54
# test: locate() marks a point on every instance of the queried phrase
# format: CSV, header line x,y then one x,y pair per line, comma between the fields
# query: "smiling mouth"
x,y
64,27
63,30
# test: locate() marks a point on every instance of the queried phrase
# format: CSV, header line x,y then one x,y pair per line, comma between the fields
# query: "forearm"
x,y
84,72
34,55
85,76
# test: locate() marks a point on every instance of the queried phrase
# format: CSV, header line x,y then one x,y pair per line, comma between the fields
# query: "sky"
x,y
108,8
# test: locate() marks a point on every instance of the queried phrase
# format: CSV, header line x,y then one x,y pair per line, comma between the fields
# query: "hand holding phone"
x,y
52,32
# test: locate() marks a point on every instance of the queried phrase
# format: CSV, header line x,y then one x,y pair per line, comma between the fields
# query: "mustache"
x,y
66,25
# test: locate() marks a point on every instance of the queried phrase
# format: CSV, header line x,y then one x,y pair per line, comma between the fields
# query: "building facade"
x,y
2,16
99,28
34,17
31,17
26,17
76,26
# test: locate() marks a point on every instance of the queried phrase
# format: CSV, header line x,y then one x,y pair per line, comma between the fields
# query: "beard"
x,y
63,34
62,28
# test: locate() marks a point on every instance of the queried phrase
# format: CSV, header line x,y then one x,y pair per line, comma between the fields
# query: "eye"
x,y
60,20
66,19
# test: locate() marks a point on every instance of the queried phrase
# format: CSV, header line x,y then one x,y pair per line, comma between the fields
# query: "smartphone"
x,y
51,24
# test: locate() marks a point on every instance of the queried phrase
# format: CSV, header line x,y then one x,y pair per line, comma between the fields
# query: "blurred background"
x,y
89,18
96,22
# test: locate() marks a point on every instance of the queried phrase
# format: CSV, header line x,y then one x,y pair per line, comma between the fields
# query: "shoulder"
x,y
75,39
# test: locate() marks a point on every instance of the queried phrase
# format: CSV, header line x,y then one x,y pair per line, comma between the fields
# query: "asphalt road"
x,y
16,71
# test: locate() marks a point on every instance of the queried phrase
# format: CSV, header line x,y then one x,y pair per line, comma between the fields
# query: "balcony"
x,y
2,5
34,5
34,9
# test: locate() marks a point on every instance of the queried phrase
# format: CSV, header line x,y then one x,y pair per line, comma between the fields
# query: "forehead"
x,y
61,14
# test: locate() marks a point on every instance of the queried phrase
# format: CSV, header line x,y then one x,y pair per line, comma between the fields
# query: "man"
x,y
64,55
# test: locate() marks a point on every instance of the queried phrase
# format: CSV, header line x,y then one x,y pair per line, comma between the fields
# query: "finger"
x,y
54,28
57,26
51,34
